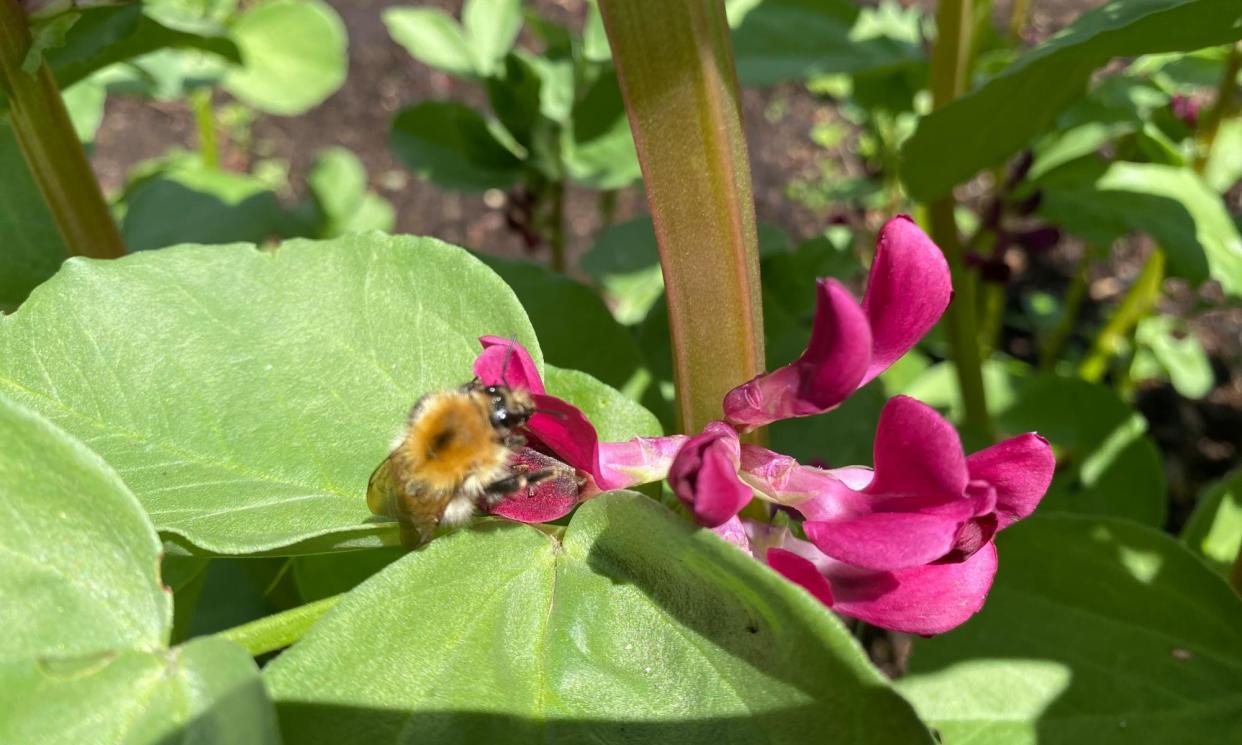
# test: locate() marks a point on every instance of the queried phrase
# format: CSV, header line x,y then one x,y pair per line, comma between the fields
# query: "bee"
x,y
455,455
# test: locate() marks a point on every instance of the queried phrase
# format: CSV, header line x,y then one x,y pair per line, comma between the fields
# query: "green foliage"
x,y
1096,631
995,120
1214,530
1166,350
629,611
451,145
30,247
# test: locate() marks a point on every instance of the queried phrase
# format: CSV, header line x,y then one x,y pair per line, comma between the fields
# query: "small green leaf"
x,y
250,406
625,262
338,182
451,145
598,147
81,569
85,104
491,26
1098,631
1214,530
987,125
294,55
207,691
47,35
1224,168
432,37
1177,355
632,626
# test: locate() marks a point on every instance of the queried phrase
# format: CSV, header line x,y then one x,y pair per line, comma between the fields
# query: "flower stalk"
x,y
1138,302
205,121
675,66
51,147
1226,92
1074,296
949,66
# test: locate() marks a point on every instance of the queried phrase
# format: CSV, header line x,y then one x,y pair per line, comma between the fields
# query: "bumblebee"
x,y
454,456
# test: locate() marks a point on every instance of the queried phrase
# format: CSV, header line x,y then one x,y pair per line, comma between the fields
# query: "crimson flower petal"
x,y
505,362
549,499
704,475
830,369
886,540
1020,469
917,452
908,289
801,572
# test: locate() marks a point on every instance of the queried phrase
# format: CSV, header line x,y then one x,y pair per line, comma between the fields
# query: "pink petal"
x,y
908,290
802,572
828,371
917,453
547,500
564,431
637,461
929,599
885,540
505,362
733,531
704,475
814,492
1020,469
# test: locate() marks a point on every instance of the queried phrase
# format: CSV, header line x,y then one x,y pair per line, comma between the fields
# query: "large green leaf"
x,y
1106,463
207,691
632,626
30,246
1096,631
995,120
779,40
81,562
293,54
432,37
452,146
244,395
1214,530
1173,205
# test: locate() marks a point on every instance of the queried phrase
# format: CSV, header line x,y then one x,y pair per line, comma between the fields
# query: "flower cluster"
x,y
907,545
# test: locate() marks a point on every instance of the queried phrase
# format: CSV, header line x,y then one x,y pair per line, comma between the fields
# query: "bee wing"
x,y
382,490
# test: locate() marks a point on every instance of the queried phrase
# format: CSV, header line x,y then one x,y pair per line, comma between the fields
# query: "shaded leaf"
x,y
31,248
452,146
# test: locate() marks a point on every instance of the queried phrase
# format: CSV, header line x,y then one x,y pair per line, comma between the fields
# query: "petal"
x,y
917,453
924,600
830,369
547,500
885,540
564,431
1020,469
704,475
637,461
908,290
733,531
802,572
505,362
816,493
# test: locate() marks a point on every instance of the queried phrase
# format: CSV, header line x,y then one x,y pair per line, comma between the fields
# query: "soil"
x,y
1201,439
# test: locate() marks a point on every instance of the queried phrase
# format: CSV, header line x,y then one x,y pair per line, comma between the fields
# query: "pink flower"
x,y
908,290
560,435
704,475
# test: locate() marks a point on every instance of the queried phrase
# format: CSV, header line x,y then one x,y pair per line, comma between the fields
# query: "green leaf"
x,y
1214,530
574,327
452,146
1224,168
1106,463
207,691
987,125
1175,354
46,35
1096,631
294,54
322,575
210,205
31,248
632,626
779,40
432,37
491,26
85,104
250,406
338,182
81,569
615,417
625,262
1173,205
598,148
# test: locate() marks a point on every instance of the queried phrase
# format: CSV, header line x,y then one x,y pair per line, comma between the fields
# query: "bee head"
x,y
510,407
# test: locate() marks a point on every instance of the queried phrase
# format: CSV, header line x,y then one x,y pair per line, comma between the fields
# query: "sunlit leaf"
x,y
1214,530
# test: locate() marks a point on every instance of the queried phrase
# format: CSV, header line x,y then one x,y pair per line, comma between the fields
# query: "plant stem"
x,y
1225,94
279,630
205,119
1074,295
1017,20
1235,575
555,226
51,147
949,66
675,66
1139,300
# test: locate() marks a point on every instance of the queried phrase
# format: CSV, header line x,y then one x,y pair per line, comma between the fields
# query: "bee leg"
x,y
518,482
514,442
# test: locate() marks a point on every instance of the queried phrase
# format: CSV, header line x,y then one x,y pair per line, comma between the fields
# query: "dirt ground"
x,y
1200,439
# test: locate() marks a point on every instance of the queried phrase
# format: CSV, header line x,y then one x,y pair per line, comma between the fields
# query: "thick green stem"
x,y
676,71
949,67
205,120
51,148
1074,296
279,630
1139,300
1226,92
